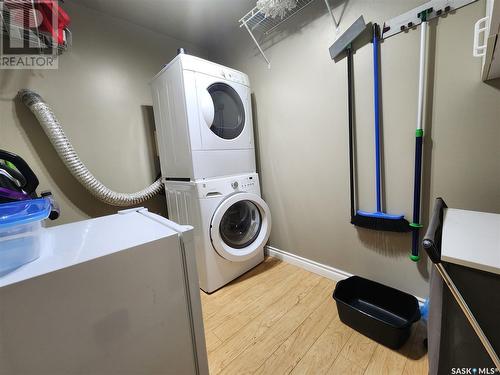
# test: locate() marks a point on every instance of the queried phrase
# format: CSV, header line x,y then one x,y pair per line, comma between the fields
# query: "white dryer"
x,y
203,118
231,224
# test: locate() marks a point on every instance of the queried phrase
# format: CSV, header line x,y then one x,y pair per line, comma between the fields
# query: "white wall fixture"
x,y
480,29
411,19
485,41
268,15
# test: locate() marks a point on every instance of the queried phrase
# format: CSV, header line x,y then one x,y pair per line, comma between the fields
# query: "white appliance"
x,y
232,224
113,295
486,31
203,118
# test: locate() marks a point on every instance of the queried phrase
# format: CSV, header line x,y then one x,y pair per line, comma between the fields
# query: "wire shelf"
x,y
257,21
258,25
22,26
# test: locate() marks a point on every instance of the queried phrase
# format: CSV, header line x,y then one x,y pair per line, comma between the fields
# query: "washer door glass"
x,y
240,224
229,117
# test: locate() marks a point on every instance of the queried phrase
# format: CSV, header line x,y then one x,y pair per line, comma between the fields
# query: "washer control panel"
x,y
244,183
220,187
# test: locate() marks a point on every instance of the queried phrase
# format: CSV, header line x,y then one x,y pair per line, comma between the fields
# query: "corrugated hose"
x,y
68,155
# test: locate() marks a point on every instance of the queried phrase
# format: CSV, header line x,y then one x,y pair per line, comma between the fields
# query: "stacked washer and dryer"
x,y
205,139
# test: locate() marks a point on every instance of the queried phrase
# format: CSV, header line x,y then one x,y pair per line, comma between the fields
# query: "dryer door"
x,y
225,113
240,226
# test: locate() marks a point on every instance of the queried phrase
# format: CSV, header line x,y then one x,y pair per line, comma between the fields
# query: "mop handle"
x,y
376,92
419,134
350,99
421,78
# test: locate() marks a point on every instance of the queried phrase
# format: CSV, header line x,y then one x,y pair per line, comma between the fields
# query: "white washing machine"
x,y
203,116
231,224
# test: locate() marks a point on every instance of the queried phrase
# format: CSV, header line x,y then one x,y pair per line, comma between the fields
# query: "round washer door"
x,y
240,226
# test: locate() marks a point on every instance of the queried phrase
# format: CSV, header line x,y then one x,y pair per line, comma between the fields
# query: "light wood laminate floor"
x,y
280,319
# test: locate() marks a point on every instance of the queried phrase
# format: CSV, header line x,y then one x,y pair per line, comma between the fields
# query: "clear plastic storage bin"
x,y
20,227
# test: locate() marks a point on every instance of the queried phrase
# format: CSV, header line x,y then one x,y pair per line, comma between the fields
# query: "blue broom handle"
x,y
377,116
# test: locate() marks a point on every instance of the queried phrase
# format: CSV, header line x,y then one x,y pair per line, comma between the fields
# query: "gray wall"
x,y
101,95
301,123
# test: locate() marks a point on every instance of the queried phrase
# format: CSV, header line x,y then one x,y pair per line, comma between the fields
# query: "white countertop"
x,y
66,245
471,239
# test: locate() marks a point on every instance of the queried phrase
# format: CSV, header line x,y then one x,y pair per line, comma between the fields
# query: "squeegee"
x,y
344,41
344,44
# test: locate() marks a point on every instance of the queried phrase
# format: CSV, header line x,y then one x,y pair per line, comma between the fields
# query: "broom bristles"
x,y
381,223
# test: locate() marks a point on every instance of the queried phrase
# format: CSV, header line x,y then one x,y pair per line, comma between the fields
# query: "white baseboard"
x,y
312,266
308,265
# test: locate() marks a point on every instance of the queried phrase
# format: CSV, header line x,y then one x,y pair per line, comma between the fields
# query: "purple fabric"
x,y
11,194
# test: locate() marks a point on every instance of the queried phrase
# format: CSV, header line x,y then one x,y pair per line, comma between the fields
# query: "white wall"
x,y
301,116
101,95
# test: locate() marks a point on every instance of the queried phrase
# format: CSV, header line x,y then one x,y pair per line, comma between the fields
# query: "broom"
x,y
379,220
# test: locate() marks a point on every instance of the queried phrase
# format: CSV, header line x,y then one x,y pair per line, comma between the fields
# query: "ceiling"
x,y
201,22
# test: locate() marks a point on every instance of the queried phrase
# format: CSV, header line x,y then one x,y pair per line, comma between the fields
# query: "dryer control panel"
x,y
198,65
234,76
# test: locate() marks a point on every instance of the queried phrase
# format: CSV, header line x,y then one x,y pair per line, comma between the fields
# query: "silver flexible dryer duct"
x,y
68,155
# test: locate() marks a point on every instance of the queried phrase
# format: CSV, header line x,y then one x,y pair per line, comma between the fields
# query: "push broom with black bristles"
x,y
378,220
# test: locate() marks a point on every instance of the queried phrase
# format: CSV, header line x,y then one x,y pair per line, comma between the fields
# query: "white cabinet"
x,y
485,41
113,295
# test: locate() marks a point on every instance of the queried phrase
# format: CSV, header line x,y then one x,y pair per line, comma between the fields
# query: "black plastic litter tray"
x,y
382,313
